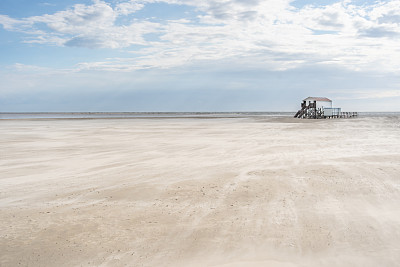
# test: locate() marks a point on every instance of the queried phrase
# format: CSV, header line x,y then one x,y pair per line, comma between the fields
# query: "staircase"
x,y
301,112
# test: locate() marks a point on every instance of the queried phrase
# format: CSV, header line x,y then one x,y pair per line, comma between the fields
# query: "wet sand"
x,y
200,192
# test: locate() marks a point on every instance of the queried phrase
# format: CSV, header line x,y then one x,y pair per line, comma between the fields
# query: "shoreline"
x,y
4,116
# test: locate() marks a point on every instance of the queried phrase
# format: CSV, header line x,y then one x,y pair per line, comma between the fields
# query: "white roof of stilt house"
x,y
317,99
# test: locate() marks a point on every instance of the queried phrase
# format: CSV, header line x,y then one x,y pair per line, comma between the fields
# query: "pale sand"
x,y
200,192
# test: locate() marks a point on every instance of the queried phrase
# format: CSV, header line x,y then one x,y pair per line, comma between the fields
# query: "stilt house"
x,y
321,108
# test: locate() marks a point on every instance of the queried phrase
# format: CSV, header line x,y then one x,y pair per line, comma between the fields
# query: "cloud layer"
x,y
272,33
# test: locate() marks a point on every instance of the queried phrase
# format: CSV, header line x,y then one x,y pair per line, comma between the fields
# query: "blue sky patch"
x,y
27,8
321,32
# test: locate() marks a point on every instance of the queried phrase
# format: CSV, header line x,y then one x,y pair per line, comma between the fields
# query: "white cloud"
x,y
81,19
11,24
127,8
19,67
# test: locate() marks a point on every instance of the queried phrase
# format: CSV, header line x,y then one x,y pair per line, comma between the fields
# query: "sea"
x,y
123,115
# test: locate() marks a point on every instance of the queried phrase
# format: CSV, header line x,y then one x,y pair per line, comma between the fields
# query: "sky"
x,y
198,55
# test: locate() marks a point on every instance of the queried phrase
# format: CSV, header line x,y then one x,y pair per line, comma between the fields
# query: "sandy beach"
x,y
260,191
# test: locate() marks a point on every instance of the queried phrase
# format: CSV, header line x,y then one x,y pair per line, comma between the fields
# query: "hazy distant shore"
x,y
246,189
